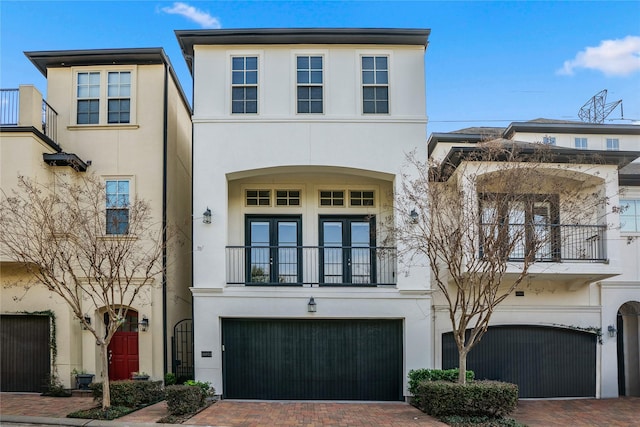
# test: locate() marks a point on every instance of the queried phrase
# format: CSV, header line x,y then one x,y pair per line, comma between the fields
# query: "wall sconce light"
x,y
206,216
612,331
144,323
413,215
311,306
87,321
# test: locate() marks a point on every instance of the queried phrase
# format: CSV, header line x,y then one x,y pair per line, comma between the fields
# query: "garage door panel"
x,y
543,361
312,359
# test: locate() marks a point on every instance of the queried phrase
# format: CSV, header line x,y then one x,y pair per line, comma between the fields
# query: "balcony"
x,y
24,107
344,266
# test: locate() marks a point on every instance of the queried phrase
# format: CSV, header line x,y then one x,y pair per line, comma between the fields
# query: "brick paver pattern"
x,y
34,405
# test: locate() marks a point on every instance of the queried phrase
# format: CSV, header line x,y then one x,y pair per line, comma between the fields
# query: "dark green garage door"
x,y
543,361
24,352
312,359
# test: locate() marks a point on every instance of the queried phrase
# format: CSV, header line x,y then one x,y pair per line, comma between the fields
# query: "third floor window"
x,y
309,80
375,85
93,100
244,85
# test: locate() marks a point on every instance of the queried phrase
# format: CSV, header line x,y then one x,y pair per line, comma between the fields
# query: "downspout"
x,y
164,216
193,318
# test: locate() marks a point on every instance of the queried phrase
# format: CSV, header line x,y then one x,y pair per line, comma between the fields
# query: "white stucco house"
x,y
571,330
299,140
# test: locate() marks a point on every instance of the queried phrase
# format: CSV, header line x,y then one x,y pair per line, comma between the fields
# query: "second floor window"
x,y
117,206
581,143
309,80
119,97
88,95
375,85
630,216
244,85
549,140
613,144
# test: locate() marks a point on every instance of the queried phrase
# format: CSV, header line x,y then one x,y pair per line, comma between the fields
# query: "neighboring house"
x,y
122,115
542,336
300,137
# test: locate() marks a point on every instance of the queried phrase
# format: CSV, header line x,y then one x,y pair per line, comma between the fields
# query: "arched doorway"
x,y
628,340
123,348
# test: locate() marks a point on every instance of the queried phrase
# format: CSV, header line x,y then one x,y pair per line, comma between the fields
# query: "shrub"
x,y
205,387
416,376
169,378
130,393
99,414
479,398
184,399
464,421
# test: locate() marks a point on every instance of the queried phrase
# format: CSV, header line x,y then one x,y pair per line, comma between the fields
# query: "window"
x,y
361,198
88,94
375,85
258,197
287,197
581,142
613,144
630,216
549,140
117,206
332,198
118,97
309,78
244,85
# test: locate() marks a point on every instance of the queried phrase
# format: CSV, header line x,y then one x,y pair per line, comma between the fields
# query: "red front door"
x,y
123,349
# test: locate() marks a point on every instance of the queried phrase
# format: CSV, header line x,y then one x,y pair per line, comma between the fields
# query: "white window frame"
x,y
244,85
635,217
310,84
613,144
549,140
118,178
581,143
103,120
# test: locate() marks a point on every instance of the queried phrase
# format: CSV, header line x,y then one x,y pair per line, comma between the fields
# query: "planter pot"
x,y
140,377
83,381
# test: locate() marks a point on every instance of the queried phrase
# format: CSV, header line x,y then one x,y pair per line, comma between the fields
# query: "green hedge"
x,y
478,398
418,375
130,393
184,399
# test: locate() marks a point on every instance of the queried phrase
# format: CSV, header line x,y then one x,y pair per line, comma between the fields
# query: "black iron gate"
x,y
182,350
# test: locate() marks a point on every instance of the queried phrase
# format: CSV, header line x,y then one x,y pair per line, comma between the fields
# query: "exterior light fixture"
x,y
311,306
413,215
612,331
144,323
206,216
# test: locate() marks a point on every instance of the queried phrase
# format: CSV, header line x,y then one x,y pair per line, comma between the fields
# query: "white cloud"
x,y
619,57
204,19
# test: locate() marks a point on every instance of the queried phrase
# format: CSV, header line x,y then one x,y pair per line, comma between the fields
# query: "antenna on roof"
x,y
596,109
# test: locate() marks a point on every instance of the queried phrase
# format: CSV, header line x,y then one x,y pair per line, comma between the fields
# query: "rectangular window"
x,y
117,206
332,198
244,85
361,198
119,97
258,197
309,78
549,140
375,85
88,95
613,144
581,143
287,197
630,216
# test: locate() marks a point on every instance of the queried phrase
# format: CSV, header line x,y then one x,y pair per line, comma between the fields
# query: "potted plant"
x,y
139,376
83,379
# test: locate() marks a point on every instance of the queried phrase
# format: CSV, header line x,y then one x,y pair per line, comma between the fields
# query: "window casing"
x,y
88,98
258,197
309,77
331,198
119,97
613,144
117,206
581,143
244,85
549,140
287,197
630,215
375,85
359,198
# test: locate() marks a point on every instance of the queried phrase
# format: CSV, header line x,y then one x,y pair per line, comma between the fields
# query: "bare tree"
x,y
59,232
484,215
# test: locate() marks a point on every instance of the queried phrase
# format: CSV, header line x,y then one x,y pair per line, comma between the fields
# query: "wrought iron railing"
x,y
311,265
9,107
10,113
557,242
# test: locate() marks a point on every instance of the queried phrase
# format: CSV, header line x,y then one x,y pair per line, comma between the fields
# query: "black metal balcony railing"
x,y
10,113
311,265
559,242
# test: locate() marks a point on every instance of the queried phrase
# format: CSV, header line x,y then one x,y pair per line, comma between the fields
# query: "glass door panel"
x,y
542,230
332,253
260,253
287,252
360,258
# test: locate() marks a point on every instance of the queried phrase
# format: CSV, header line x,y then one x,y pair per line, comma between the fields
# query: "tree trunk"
x,y
106,392
462,367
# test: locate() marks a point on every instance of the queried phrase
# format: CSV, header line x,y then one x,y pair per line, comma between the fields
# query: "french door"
x,y
347,250
273,252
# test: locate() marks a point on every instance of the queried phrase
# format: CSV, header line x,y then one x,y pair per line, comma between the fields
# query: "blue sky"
x,y
488,63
